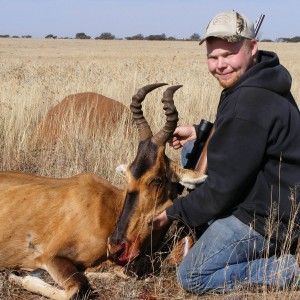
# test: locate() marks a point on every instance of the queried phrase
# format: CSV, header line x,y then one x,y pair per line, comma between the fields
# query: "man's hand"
x,y
159,221
182,135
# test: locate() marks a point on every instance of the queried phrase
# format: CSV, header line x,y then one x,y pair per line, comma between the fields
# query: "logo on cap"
x,y
222,20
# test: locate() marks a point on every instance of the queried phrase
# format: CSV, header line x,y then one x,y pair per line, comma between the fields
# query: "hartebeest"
x,y
63,225
87,113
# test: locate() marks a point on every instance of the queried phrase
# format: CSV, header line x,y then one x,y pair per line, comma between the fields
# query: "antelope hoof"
x,y
40,273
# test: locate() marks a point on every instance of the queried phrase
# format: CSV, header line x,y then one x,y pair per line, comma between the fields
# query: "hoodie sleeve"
x,y
235,153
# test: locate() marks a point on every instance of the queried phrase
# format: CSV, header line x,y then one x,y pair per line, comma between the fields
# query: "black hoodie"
x,y
253,156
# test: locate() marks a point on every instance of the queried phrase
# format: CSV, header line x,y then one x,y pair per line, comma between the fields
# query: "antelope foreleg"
x,y
65,273
38,286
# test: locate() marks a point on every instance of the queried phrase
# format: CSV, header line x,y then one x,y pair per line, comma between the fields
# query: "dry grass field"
x,y
36,74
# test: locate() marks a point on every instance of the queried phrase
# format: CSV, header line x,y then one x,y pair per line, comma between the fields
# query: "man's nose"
x,y
221,63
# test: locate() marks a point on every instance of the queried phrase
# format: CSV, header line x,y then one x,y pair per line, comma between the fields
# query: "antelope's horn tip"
x,y
175,87
161,84
171,90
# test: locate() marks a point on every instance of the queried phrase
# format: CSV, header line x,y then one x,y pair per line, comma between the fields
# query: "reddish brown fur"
x,y
91,113
63,225
44,220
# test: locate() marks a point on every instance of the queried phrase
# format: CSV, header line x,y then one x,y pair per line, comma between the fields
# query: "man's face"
x,y
229,61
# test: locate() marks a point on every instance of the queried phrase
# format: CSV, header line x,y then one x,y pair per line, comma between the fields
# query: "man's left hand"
x,y
159,221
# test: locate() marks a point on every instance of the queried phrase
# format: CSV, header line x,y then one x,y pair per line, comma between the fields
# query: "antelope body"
x,y
89,113
63,225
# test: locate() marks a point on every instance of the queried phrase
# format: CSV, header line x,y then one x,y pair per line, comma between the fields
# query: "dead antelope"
x,y
63,225
87,113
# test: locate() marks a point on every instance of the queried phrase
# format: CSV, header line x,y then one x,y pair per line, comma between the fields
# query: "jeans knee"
x,y
181,275
190,280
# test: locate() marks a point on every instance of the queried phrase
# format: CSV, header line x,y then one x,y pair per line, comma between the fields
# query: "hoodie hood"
x,y
268,73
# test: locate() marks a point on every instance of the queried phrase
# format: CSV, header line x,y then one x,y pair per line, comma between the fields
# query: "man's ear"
x,y
189,178
254,49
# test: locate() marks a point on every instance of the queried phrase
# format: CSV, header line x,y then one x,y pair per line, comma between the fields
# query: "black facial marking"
x,y
128,209
145,159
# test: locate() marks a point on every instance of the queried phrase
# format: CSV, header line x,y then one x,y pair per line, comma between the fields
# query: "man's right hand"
x,y
182,135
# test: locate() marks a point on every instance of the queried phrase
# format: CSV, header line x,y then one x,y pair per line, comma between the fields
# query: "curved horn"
x,y
172,117
136,109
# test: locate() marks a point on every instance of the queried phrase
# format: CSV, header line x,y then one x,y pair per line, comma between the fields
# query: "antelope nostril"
x,y
120,251
116,250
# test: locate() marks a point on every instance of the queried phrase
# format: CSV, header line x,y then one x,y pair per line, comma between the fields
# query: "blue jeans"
x,y
230,253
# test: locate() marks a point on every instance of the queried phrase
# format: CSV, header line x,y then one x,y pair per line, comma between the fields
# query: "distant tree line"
x,y
110,36
15,36
295,39
139,36
152,37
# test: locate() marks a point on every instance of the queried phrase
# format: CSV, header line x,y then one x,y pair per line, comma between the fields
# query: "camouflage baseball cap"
x,y
230,26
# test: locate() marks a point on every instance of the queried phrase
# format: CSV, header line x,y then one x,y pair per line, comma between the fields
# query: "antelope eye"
x,y
156,181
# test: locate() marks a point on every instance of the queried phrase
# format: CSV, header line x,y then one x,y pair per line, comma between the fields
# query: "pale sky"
x,y
123,18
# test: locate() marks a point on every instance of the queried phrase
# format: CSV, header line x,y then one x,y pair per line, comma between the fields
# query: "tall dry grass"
x,y
37,74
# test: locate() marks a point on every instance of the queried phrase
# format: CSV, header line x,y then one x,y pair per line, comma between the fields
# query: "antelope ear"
x,y
121,169
191,182
189,178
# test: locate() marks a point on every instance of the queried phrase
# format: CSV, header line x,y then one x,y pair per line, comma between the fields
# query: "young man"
x,y
250,198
